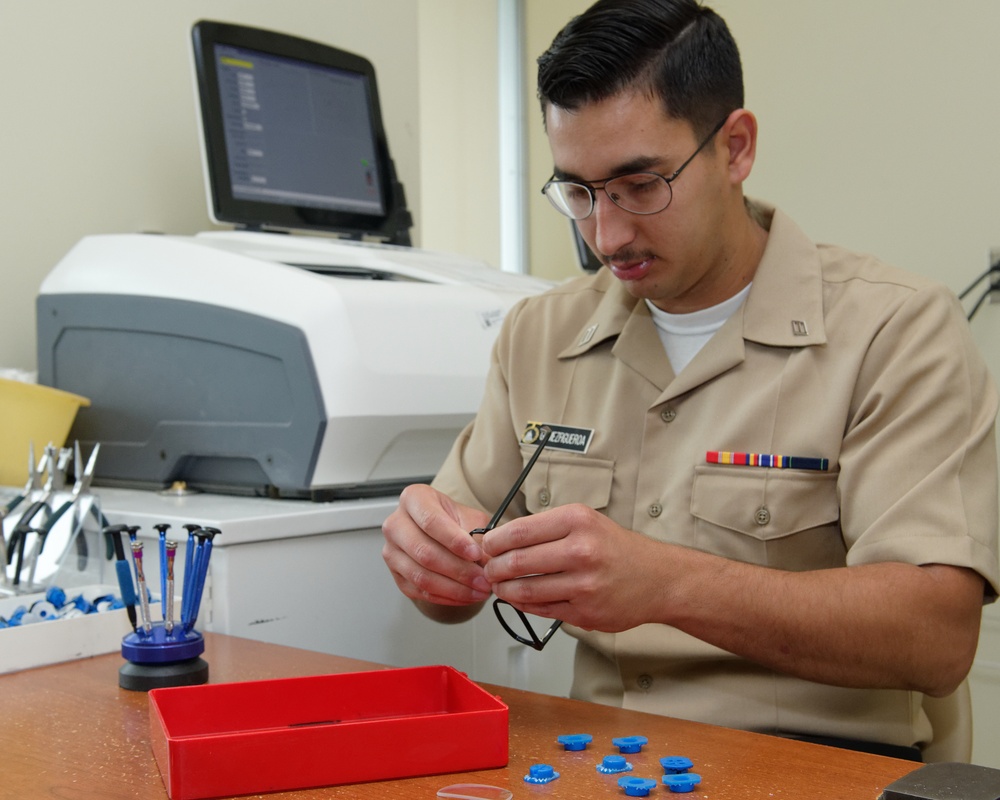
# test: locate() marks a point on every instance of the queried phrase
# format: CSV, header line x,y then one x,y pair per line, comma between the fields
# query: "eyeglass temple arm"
x,y
534,642
543,439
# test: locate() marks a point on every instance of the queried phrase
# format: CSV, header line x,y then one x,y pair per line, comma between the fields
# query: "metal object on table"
x,y
140,582
48,505
24,527
33,485
171,551
81,487
166,653
124,571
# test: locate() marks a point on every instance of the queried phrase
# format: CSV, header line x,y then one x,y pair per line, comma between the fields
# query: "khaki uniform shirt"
x,y
833,355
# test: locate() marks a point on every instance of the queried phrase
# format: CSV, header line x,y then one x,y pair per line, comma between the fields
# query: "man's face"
x,y
676,257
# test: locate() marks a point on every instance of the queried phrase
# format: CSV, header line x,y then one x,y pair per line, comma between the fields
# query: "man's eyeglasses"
x,y
532,639
637,192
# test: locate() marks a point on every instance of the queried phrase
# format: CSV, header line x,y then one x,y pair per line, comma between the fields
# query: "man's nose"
x,y
613,226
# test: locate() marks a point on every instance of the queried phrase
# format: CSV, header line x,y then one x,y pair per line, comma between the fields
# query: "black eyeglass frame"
x,y
535,641
593,188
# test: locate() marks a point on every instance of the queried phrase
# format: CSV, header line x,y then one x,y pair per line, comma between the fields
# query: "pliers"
x,y
19,536
80,489
34,484
56,460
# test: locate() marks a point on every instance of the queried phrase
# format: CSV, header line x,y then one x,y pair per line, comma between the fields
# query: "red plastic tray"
x,y
226,739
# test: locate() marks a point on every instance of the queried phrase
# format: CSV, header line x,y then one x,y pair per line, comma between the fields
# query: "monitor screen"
x,y
292,135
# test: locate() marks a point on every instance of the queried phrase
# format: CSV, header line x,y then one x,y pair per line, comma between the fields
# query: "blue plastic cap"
x,y
629,744
673,765
684,782
636,787
612,764
540,773
575,741
83,604
56,596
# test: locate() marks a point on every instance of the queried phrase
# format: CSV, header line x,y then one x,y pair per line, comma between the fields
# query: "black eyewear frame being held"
x,y
535,641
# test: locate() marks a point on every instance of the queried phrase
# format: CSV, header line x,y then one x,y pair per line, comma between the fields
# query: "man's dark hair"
x,y
677,50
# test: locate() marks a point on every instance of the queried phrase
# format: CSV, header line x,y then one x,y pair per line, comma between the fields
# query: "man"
x,y
783,513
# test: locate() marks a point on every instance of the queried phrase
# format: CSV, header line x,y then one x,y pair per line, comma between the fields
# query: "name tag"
x,y
563,437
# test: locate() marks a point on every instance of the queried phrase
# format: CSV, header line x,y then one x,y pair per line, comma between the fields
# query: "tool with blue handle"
x,y
162,529
205,537
167,652
187,590
124,570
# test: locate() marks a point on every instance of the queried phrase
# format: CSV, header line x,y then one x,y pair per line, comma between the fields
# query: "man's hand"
x,y
882,625
574,564
432,557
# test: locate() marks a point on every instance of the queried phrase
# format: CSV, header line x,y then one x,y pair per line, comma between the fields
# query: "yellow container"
x,y
30,413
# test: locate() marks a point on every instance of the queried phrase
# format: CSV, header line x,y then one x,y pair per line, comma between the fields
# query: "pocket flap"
x,y
559,480
732,497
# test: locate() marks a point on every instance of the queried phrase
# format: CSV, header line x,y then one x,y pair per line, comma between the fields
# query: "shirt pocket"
x,y
559,480
782,519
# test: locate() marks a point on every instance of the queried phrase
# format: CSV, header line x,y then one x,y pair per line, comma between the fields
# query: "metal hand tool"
x,y
162,529
34,483
168,617
19,535
80,487
125,585
187,590
205,537
59,456
147,623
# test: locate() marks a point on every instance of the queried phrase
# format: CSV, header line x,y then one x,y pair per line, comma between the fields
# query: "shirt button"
x,y
544,497
644,682
762,516
668,415
655,510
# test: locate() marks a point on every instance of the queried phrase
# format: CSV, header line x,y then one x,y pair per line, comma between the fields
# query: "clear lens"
x,y
640,193
572,199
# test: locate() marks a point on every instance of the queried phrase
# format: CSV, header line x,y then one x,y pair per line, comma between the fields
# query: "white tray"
x,y
58,640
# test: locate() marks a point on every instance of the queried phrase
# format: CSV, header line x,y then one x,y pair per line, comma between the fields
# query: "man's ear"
x,y
740,135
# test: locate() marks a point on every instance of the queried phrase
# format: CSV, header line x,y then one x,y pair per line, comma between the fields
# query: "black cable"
x,y
979,302
973,285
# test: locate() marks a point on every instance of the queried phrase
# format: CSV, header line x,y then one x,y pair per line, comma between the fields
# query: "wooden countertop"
x,y
68,731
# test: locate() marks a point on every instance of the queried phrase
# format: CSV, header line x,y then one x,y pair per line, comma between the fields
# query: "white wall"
x,y
99,134
459,128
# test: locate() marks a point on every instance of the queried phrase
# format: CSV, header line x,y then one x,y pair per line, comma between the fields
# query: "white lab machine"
x,y
268,364
298,381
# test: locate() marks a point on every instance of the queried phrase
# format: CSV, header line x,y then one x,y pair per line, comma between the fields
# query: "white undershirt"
x,y
683,335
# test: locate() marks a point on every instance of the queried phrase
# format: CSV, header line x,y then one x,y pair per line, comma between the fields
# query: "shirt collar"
x,y
784,307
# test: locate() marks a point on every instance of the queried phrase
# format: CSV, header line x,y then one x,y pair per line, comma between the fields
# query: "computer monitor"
x,y
292,136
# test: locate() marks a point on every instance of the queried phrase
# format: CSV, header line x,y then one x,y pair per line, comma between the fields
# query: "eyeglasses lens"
x,y
639,193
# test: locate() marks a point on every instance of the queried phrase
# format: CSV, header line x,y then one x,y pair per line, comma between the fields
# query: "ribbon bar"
x,y
767,460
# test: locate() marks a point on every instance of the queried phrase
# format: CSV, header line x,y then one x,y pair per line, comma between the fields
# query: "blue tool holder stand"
x,y
158,659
